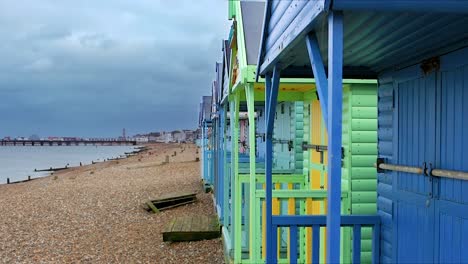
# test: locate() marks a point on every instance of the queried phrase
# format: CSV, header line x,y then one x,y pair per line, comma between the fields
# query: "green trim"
x,y
231,9
283,96
253,239
277,178
235,184
312,80
240,38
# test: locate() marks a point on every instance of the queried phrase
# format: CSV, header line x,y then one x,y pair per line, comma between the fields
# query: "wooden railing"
x,y
356,222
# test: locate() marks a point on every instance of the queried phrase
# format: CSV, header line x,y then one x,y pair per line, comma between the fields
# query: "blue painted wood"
x,y
386,142
293,244
273,258
334,125
414,206
276,26
376,244
451,195
301,24
271,98
379,36
357,244
316,244
317,221
319,73
447,6
271,101
221,152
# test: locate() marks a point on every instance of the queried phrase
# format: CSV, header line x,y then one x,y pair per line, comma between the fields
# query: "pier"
x,y
103,142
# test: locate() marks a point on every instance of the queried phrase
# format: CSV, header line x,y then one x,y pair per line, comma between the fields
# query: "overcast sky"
x,y
91,68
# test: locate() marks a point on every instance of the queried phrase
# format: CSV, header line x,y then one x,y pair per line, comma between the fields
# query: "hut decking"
x,y
192,228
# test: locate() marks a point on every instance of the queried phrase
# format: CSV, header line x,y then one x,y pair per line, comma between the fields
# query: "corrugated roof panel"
x,y
374,40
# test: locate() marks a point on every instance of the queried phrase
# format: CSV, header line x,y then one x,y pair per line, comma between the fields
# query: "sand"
x,y
93,214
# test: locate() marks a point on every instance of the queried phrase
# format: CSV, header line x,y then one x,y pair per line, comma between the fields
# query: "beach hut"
x,y
298,149
206,141
417,50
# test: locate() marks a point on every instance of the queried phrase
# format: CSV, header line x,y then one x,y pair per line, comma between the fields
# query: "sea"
x,y
19,162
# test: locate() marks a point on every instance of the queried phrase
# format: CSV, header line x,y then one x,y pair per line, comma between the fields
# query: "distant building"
x,y
178,136
168,137
141,139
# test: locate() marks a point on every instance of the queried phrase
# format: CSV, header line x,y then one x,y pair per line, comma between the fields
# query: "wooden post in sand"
x,y
167,159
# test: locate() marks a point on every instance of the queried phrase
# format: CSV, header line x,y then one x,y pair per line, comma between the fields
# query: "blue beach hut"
x,y
417,50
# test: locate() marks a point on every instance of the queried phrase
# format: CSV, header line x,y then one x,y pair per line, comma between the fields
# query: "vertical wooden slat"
x,y
357,244
376,244
315,244
274,244
293,244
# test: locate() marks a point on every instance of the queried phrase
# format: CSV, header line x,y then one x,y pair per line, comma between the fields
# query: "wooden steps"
x,y
192,228
169,201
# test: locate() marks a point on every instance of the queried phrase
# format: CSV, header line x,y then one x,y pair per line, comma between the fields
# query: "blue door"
x,y
414,206
451,195
431,116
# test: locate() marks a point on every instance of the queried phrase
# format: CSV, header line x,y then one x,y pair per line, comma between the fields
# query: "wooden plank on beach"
x,y
152,207
192,228
171,201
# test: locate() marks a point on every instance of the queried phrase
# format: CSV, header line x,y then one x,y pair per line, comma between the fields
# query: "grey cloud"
x,y
93,67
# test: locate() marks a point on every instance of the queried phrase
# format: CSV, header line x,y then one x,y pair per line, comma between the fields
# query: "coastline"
x,y
93,213
22,164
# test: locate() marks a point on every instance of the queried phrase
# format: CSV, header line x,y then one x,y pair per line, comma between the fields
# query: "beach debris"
x,y
166,161
192,228
207,187
169,201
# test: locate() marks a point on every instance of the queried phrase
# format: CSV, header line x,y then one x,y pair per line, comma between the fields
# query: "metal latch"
x,y
320,149
284,141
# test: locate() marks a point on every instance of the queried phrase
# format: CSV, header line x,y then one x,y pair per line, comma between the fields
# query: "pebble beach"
x,y
94,214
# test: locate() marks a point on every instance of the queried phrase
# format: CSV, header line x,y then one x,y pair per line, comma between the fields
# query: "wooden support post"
x,y
254,242
271,98
334,125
